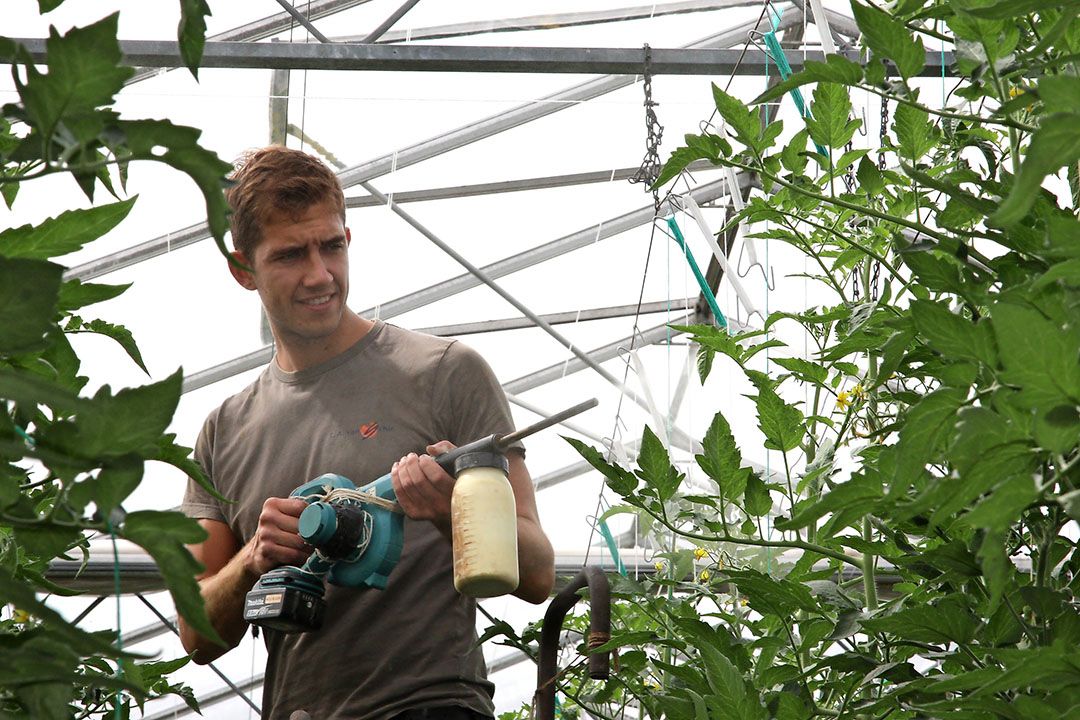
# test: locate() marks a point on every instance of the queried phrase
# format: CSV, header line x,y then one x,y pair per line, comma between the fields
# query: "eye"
x,y
288,255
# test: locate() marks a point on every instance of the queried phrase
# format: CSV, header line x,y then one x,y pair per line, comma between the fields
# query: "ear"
x,y
243,277
348,236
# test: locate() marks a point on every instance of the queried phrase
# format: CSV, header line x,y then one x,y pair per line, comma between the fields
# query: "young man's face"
x,y
302,273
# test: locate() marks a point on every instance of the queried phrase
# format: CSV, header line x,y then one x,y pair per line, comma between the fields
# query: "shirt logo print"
x,y
369,430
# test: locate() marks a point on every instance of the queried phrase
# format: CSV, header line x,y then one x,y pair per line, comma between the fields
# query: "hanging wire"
x,y
119,637
648,172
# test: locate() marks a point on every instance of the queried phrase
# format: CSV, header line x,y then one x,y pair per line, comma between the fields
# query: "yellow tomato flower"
x,y
843,400
20,616
704,576
652,685
659,565
859,392
699,553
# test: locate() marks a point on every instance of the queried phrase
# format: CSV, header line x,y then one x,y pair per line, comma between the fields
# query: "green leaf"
x,y
870,178
793,156
164,535
804,370
46,540
923,432
830,123
1008,9
656,468
1066,273
675,164
110,426
939,274
118,333
168,451
758,502
772,597
948,621
191,33
1059,93
738,117
890,39
63,234
781,423
1055,144
178,147
721,459
836,69
28,292
1040,357
112,486
952,335
620,480
75,294
861,493
84,72
731,697
31,390
915,134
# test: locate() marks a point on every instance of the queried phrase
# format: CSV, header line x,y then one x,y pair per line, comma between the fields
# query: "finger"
x,y
433,470
443,446
289,540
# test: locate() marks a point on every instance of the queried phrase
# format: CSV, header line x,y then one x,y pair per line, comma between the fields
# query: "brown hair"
x,y
276,179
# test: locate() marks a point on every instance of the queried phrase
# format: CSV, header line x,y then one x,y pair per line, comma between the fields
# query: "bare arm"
x,y
536,559
232,570
423,490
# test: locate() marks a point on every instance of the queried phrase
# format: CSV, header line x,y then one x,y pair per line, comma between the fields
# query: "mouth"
x,y
318,301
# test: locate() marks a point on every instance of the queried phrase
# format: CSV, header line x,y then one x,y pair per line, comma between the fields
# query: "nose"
x,y
317,272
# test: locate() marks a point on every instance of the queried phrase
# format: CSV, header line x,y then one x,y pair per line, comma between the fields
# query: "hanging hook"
x,y
862,128
769,277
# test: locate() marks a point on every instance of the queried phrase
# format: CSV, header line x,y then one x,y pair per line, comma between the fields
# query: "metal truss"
x,y
454,58
554,21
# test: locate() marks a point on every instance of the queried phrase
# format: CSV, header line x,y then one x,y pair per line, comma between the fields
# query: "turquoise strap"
x,y
705,289
612,547
776,51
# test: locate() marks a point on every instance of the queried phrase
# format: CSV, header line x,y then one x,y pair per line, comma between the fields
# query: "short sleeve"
x,y
198,503
469,398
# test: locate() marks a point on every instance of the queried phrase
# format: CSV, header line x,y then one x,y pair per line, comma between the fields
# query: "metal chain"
x,y
875,272
654,132
849,175
883,133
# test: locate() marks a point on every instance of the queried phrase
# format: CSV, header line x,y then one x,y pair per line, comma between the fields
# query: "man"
x,y
352,396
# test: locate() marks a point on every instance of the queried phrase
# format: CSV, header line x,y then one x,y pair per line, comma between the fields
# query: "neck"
x,y
299,353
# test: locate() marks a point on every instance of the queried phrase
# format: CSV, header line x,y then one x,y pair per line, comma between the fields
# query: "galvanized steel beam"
x,y
553,21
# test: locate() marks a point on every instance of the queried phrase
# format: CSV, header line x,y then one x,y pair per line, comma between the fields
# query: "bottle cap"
x,y
482,459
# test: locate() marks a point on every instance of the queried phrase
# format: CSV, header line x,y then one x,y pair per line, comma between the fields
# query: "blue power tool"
x,y
357,535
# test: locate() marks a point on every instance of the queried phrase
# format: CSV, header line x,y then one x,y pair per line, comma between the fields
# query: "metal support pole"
x,y
303,21
89,608
389,22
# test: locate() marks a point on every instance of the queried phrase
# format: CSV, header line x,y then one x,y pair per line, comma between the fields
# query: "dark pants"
x,y
446,712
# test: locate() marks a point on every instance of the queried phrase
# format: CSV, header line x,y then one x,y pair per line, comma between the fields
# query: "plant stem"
x,y
1007,122
790,544
869,582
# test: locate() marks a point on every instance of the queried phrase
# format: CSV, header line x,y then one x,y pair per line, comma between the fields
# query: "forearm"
x,y
223,595
536,562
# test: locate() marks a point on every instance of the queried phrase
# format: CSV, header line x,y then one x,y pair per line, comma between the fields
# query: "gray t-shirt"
x,y
379,651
